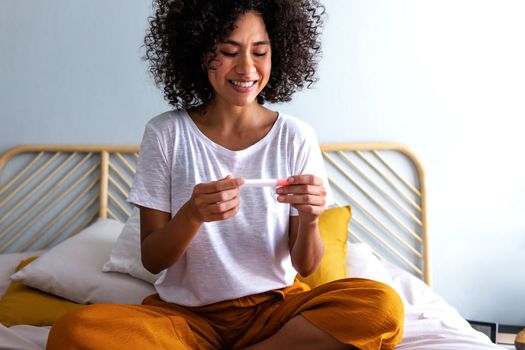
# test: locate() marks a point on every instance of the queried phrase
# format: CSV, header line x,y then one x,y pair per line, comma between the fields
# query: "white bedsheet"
x,y
434,326
430,323
23,337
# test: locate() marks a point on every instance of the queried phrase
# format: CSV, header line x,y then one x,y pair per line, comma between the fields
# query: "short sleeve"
x,y
309,160
152,186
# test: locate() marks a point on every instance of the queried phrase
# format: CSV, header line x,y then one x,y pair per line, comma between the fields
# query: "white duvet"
x,y
430,323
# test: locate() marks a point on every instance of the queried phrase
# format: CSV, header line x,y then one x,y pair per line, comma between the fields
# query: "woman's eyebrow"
x,y
238,44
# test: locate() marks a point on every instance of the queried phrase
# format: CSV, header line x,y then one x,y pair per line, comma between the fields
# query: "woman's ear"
x,y
206,60
209,61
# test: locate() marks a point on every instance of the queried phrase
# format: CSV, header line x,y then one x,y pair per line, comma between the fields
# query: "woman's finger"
x,y
308,199
217,197
306,179
227,183
302,189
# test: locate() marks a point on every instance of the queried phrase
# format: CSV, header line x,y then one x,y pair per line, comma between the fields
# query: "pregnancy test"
x,y
265,182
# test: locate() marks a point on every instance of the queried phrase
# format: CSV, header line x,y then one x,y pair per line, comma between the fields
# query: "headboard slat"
x,y
387,180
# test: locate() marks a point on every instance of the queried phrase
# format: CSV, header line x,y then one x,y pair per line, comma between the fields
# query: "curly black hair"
x,y
182,32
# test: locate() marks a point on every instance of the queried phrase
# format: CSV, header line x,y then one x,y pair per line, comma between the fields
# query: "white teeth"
x,y
243,83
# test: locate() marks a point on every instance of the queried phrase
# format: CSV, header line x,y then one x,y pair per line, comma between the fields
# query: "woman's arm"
x,y
164,240
307,194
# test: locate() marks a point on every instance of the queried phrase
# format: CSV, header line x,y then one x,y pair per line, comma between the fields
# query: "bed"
x,y
65,205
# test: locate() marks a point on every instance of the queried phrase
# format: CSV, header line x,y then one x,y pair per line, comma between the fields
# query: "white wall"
x,y
446,78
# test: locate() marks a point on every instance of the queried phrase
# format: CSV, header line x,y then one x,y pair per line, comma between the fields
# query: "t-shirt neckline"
x,y
243,152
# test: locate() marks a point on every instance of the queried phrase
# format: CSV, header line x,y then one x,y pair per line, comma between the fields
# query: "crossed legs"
x,y
298,334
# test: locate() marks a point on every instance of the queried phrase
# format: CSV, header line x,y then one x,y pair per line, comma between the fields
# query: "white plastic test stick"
x,y
265,182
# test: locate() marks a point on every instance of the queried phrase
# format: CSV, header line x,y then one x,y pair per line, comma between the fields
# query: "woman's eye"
x,y
228,54
260,54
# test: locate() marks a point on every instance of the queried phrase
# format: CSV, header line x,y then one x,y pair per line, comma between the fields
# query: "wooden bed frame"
x,y
50,192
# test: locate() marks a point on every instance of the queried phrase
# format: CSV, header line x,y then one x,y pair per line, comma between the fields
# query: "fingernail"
x,y
280,198
290,179
279,190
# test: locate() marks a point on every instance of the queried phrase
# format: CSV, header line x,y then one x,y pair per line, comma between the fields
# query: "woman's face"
x,y
243,64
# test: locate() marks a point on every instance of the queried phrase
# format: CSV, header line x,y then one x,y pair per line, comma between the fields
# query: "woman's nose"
x,y
245,65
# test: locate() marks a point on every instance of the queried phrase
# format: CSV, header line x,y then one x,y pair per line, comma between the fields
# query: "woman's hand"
x,y
215,201
306,194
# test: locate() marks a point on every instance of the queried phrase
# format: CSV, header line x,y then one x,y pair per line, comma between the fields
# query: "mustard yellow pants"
x,y
357,312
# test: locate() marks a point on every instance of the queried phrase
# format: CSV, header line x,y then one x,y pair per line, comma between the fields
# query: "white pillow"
x,y
414,290
361,262
8,264
125,256
73,269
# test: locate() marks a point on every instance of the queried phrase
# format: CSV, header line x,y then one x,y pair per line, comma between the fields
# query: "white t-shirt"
x,y
248,253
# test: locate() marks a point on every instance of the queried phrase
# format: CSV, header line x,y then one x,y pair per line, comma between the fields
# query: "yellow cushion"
x,y
24,305
333,226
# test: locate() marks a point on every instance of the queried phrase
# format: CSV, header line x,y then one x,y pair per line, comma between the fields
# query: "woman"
x,y
229,252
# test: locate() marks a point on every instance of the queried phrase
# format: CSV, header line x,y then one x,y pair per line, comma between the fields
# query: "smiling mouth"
x,y
244,84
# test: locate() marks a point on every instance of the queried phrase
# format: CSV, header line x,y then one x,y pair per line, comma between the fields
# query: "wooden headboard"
x,y
50,192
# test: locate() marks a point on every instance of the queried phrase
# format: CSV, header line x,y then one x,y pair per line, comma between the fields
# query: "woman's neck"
x,y
234,127
229,119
